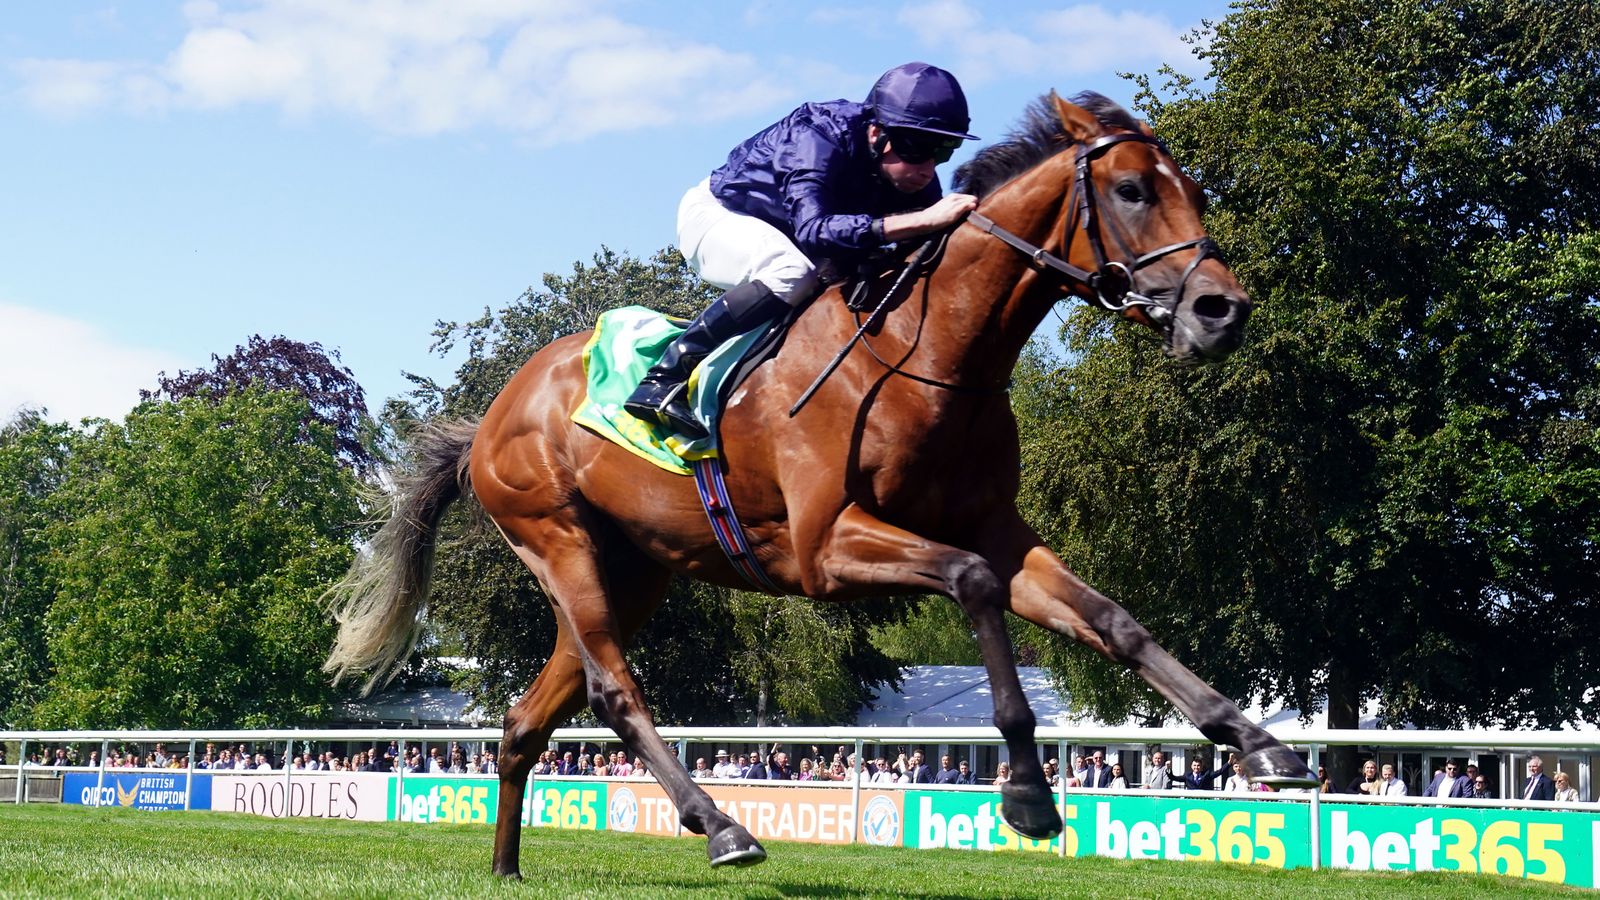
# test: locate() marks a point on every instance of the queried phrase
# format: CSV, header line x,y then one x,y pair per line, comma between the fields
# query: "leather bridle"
x,y
1113,285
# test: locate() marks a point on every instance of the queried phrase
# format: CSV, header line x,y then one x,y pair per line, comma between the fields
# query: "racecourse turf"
x,y
71,851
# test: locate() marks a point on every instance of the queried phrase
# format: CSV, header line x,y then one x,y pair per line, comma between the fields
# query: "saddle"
x,y
628,340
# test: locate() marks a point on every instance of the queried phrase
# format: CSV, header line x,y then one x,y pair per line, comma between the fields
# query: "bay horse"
x,y
899,476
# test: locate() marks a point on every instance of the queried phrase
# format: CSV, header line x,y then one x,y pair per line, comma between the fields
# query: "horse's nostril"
x,y
1212,306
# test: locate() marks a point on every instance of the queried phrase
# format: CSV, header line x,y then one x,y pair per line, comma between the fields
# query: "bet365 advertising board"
x,y
1553,845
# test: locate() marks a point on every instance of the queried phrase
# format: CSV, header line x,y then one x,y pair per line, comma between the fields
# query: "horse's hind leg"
x,y
566,557
555,697
1045,592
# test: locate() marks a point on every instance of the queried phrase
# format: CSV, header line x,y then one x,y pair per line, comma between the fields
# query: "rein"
x,y
922,260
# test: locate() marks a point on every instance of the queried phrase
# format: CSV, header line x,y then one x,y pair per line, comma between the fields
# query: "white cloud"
x,y
72,369
554,69
1067,41
67,87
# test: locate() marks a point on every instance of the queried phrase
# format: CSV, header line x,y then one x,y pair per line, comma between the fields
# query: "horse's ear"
x,y
1079,123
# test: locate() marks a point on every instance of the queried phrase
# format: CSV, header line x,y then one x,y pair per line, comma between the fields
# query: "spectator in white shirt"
x,y
1392,786
1237,783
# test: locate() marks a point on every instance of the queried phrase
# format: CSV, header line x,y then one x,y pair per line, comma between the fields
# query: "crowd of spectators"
x,y
116,758
1452,779
264,758
776,765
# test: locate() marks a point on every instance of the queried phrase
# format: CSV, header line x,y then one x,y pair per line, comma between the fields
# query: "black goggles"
x,y
920,146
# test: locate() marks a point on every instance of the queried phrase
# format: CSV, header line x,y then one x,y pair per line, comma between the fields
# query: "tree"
x,y
499,343
936,632
190,546
34,454
277,363
1393,492
694,664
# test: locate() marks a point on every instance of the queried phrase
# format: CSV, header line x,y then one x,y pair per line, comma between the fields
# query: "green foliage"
x,y
812,663
33,463
499,343
1393,491
698,662
190,544
279,364
935,633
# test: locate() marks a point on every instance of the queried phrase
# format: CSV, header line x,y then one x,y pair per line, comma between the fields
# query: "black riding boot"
x,y
662,396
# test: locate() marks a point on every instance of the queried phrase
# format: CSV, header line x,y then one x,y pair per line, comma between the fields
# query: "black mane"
x,y
1038,137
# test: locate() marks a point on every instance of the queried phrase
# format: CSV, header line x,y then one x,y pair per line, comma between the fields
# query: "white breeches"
x,y
728,249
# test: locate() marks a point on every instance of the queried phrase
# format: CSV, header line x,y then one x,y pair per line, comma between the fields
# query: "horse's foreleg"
x,y
1044,591
865,551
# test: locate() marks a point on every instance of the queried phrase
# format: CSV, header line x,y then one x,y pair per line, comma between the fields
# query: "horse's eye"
x,y
1130,192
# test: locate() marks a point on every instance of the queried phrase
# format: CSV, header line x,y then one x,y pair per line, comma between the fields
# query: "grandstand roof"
x,y
960,695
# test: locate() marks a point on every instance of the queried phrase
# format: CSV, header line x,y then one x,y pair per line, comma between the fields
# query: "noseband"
x,y
1114,283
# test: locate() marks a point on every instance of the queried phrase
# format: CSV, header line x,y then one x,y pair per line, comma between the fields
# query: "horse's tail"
x,y
380,602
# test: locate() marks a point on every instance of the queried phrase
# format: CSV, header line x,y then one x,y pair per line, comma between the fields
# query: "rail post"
x,y
1061,792
855,795
288,767
1316,816
188,779
100,783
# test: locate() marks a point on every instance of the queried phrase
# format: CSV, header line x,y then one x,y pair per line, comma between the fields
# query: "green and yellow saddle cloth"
x,y
626,343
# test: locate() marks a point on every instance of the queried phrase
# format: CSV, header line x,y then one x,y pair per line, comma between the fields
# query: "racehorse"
x,y
899,476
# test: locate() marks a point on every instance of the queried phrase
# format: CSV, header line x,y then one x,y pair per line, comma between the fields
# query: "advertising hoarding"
x,y
158,790
338,795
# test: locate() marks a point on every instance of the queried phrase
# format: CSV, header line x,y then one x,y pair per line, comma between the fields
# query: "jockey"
x,y
831,182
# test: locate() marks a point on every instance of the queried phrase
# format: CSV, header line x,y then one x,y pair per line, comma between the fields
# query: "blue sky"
x,y
175,177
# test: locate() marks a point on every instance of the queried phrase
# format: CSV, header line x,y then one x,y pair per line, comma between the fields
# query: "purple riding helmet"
x,y
921,97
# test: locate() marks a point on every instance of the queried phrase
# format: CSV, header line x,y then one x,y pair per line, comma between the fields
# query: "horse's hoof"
x,y
1279,767
733,846
512,875
1030,810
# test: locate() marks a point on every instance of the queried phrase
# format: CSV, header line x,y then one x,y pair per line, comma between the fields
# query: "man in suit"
x,y
1200,778
1159,777
1098,775
755,768
1448,783
922,774
1538,786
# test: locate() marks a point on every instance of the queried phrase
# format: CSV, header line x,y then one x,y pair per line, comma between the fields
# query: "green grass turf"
x,y
56,851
